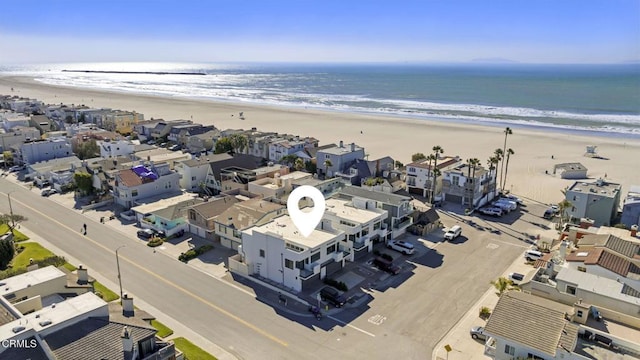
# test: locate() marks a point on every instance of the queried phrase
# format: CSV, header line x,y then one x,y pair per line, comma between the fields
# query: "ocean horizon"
x,y
595,98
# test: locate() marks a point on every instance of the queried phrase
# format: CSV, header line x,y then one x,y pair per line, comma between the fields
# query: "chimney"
x,y
353,147
581,312
341,144
83,275
127,342
634,230
127,305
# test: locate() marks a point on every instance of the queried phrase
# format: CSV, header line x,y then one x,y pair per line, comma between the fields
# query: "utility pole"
x,y
13,222
119,276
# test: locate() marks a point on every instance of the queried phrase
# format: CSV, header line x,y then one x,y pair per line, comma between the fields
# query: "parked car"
x,y
174,147
48,192
17,168
453,232
477,332
516,278
386,265
513,198
492,211
506,208
532,255
332,296
401,246
146,233
549,214
512,204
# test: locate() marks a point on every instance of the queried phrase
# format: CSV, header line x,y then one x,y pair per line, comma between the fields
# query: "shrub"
x,y
387,257
193,253
155,242
336,284
485,312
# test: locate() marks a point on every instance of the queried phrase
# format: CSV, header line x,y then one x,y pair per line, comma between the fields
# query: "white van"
x,y
532,255
511,205
453,232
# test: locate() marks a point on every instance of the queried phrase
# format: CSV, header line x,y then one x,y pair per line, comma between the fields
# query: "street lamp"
x,y
13,221
118,265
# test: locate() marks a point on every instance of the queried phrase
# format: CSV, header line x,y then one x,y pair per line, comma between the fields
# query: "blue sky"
x,y
537,31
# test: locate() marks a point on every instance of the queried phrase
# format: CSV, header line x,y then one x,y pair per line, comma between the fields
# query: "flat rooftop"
x,y
342,209
337,150
31,278
601,188
154,203
56,314
284,228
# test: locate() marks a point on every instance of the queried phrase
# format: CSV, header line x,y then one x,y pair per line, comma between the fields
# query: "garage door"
x,y
333,267
453,198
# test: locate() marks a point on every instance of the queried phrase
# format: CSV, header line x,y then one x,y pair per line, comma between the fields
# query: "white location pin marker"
x,y
306,221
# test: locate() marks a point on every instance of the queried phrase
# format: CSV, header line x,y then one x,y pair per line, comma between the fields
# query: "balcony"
x,y
402,224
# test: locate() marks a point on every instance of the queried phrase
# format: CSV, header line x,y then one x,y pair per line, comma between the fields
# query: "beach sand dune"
x,y
381,135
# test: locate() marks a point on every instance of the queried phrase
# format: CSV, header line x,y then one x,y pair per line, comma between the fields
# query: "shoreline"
x,y
379,134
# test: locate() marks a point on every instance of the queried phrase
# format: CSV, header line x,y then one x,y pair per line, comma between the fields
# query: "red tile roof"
x,y
129,178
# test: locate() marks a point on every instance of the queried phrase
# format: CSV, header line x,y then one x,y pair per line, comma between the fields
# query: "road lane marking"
x,y
377,319
170,283
351,326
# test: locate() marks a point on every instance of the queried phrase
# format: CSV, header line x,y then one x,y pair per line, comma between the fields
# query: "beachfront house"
x,y
338,159
197,143
362,228
58,172
10,120
276,251
290,146
161,156
631,208
469,186
143,128
203,173
242,215
162,129
42,150
398,207
121,122
419,178
144,181
598,201
92,116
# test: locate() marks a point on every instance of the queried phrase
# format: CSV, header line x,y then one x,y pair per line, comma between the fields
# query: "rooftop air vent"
x,y
17,329
44,323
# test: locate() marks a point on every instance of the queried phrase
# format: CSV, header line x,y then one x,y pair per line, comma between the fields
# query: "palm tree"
x,y
507,132
298,164
506,168
475,162
437,150
492,162
238,142
498,154
502,284
563,206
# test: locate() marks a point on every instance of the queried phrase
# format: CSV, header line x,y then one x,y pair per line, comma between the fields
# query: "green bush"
x,y
155,242
336,284
485,312
193,253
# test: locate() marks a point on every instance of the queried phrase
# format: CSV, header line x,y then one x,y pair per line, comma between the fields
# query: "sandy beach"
x,y
381,135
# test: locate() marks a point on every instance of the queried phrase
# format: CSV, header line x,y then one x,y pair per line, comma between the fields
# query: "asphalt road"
x,y
404,320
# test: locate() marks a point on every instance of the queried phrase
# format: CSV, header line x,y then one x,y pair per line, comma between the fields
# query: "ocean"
x,y
593,98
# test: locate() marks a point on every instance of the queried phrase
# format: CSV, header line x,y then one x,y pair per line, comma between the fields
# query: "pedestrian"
x,y
84,226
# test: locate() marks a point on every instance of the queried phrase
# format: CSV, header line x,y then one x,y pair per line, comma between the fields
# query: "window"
x,y
376,226
352,238
192,215
327,156
134,193
193,178
579,313
315,257
288,264
411,169
331,249
365,232
571,290
582,268
508,349
261,253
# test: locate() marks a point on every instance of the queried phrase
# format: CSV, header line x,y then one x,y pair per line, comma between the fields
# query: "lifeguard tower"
x,y
591,151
